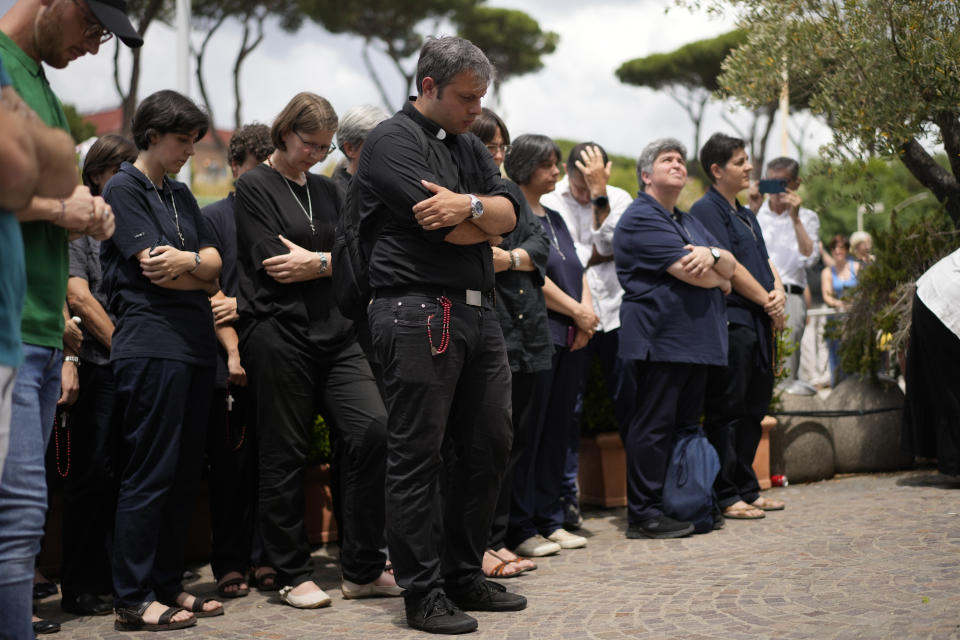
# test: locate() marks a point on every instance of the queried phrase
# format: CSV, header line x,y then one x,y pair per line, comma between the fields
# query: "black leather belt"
x,y
470,297
794,289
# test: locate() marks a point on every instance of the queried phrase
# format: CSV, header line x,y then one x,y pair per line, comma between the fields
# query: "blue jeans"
x,y
23,486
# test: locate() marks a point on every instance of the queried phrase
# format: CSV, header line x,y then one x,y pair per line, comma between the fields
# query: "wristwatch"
x,y
74,359
196,262
716,254
323,262
476,207
514,260
601,202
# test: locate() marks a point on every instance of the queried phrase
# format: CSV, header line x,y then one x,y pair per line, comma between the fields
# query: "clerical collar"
x,y
429,125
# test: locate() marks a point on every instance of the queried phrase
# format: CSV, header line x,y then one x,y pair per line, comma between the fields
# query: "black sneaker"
x,y
572,520
488,596
660,527
434,613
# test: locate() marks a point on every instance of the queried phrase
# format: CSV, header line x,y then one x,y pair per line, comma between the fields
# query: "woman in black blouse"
x,y
301,355
520,262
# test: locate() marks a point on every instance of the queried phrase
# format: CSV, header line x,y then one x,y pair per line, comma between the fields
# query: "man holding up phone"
x,y
790,233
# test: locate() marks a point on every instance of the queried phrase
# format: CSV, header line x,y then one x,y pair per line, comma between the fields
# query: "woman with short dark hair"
x,y
835,281
302,355
536,515
159,267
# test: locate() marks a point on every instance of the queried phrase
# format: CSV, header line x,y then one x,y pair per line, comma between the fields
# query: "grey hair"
x,y
785,164
357,123
652,151
443,58
528,152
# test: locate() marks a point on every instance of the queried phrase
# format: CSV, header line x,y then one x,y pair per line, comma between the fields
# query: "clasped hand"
x,y
296,266
164,263
444,208
698,261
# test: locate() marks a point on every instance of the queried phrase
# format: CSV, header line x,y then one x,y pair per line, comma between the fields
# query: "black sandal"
x,y
197,608
239,592
131,619
266,581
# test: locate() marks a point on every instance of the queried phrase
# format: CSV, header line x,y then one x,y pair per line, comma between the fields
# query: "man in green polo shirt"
x,y
54,32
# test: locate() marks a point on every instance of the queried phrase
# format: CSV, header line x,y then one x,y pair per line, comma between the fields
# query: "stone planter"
x,y
603,471
761,460
320,523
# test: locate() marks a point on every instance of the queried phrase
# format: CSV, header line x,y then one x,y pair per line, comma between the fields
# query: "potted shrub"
x,y
603,461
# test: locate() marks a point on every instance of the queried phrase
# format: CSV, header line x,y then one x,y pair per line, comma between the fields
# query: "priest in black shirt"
x,y
433,197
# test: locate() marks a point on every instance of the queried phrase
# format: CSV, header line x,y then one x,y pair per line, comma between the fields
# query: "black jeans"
x,y
232,479
290,385
162,406
672,399
737,398
90,488
462,393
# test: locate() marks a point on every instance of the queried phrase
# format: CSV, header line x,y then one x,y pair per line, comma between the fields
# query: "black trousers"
x,y
672,399
463,393
736,399
90,487
232,479
162,407
524,421
290,385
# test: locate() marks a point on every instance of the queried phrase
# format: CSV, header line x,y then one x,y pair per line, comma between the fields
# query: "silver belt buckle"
x,y
474,298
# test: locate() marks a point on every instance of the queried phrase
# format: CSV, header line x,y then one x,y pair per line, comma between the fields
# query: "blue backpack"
x,y
688,490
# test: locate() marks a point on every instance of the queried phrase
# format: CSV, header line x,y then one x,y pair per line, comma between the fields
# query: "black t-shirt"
x,y
266,207
85,263
223,226
153,321
396,156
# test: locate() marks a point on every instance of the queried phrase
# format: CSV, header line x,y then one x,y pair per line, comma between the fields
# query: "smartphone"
x,y
778,185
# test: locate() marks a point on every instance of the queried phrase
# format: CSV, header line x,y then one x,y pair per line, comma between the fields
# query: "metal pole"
x,y
183,68
785,113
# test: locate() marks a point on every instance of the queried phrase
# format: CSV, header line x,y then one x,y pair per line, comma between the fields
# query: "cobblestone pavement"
x,y
867,556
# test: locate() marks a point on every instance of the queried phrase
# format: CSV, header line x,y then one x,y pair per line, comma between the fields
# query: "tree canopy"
x,y
512,39
688,74
882,72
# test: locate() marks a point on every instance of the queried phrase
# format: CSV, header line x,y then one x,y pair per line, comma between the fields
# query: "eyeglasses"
x,y
320,149
504,148
94,30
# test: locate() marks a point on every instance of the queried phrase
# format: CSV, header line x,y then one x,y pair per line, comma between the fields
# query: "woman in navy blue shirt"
x,y
672,325
159,268
536,516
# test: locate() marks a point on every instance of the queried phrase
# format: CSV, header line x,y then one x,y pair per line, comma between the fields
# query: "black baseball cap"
x,y
112,14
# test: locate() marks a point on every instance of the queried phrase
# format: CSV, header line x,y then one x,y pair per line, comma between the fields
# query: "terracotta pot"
x,y
603,471
319,520
761,460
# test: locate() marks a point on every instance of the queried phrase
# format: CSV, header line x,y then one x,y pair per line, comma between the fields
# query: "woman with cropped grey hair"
x,y
355,125
536,515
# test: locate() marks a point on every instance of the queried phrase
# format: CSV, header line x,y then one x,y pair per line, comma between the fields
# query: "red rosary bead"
x,y
444,328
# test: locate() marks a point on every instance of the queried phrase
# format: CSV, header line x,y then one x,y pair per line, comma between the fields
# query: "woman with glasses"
x,y
520,262
302,355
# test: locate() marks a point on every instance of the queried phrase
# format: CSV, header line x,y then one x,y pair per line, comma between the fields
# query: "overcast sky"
x,y
575,95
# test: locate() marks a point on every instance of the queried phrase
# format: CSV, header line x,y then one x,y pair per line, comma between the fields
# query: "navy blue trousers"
x,y
672,399
162,406
538,477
